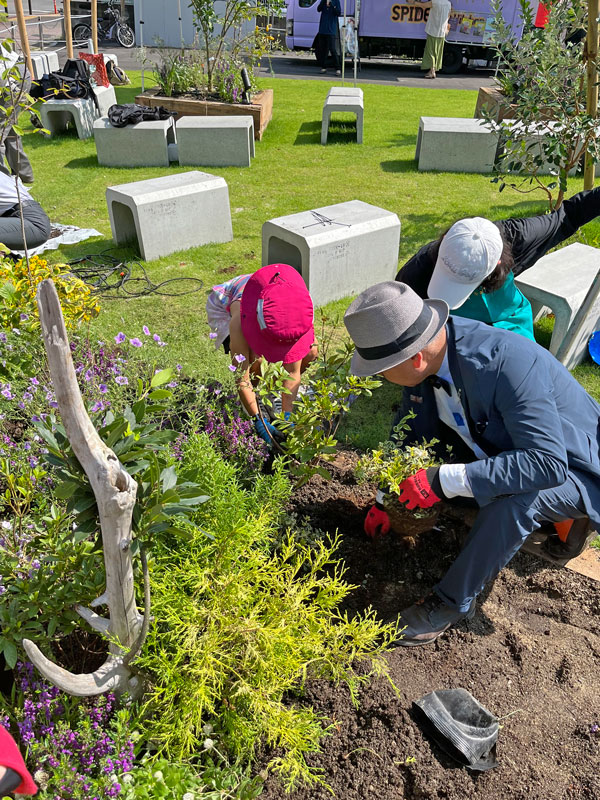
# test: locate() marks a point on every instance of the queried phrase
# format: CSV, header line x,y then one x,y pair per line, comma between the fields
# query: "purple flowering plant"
x,y
218,413
76,749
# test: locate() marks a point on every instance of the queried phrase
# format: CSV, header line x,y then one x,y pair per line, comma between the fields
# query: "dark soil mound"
x,y
530,655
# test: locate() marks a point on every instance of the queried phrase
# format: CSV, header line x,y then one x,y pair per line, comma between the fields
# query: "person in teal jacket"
x,y
473,265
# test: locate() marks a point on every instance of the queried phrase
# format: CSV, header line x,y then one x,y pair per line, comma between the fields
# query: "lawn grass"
x,y
291,172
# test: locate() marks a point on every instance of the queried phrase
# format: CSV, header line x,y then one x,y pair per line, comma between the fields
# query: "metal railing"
x,y
53,39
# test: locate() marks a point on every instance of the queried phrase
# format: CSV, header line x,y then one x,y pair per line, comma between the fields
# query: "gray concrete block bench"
x,y
57,113
345,91
143,145
339,250
346,102
171,213
454,144
560,281
215,141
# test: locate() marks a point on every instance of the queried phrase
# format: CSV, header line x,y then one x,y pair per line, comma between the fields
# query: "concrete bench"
x,y
44,62
560,281
345,91
56,114
351,103
533,135
215,141
454,144
143,145
171,213
339,250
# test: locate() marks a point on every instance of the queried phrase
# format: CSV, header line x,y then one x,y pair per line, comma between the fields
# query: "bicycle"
x,y
111,26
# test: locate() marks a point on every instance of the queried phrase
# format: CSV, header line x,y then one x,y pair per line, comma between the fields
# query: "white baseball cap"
x,y
468,253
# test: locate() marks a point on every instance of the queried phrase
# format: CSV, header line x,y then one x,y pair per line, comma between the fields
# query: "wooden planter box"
x,y
495,101
261,108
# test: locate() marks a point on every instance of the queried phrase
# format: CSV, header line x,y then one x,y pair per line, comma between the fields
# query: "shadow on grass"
x,y
79,163
340,132
308,133
406,165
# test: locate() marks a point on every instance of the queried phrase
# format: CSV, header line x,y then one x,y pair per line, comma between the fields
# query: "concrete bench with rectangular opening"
x,y
454,144
349,103
560,281
339,250
57,113
171,213
143,145
215,141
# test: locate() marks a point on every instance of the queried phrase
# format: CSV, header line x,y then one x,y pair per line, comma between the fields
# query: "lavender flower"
x,y
121,380
120,337
135,342
146,330
212,335
103,388
240,358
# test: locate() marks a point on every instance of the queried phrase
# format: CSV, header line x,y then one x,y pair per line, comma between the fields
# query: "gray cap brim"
x,y
362,368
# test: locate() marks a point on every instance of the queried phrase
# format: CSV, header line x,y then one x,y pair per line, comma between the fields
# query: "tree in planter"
x,y
216,31
544,79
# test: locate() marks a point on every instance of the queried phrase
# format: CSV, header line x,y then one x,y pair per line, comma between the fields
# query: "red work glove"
x,y
377,522
421,490
11,758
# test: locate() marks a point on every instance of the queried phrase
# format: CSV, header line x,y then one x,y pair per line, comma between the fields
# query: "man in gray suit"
x,y
526,433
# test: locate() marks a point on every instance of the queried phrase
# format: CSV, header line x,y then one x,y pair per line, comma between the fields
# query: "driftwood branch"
x,y
115,492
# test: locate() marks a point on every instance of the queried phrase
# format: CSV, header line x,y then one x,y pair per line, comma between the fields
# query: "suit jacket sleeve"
x,y
538,460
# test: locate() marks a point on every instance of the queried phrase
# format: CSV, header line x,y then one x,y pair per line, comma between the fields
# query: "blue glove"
x,y
265,430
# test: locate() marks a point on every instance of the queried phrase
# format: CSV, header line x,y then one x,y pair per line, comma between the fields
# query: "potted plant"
x,y
391,463
209,81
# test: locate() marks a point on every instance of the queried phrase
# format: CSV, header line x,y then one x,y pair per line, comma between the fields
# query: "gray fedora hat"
x,y
389,323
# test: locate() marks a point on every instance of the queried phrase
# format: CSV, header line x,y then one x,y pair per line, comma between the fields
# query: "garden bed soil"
x,y
260,109
531,655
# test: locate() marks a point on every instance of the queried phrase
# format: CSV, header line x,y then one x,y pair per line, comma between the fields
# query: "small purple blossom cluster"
x,y
104,366
83,757
232,435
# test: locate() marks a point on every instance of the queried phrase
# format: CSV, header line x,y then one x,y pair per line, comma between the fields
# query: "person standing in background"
x,y
328,38
436,29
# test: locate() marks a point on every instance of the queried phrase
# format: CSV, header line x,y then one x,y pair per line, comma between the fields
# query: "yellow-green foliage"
x,y
18,287
238,627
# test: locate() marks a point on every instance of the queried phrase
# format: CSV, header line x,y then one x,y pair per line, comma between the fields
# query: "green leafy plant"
x,y
160,779
179,72
544,75
329,389
392,462
19,282
218,43
239,628
44,571
140,443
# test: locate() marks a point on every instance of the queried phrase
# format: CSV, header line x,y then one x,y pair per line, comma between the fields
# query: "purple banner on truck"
x,y
470,20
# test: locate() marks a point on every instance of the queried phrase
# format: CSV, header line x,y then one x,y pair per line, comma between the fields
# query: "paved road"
x,y
303,65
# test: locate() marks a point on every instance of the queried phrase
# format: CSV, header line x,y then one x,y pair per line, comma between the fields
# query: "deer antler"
x,y
115,492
